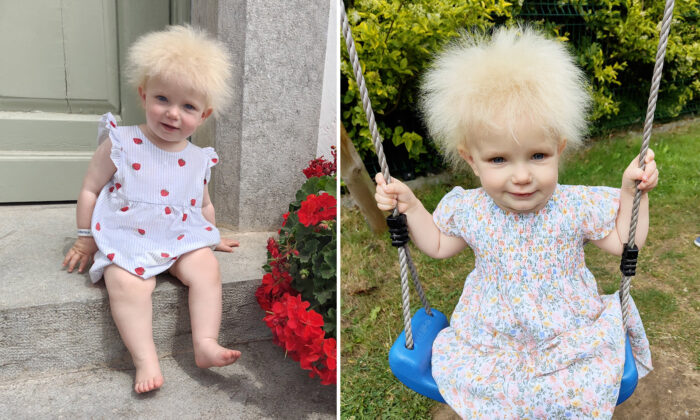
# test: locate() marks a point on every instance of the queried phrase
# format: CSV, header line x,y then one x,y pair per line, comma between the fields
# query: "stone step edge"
x,y
67,335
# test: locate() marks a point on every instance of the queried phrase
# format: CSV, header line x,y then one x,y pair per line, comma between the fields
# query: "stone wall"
x,y
271,129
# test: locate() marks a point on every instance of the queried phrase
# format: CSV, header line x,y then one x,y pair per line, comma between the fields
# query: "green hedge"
x,y
615,42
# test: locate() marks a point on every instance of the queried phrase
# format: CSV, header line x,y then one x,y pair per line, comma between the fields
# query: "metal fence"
x,y
566,15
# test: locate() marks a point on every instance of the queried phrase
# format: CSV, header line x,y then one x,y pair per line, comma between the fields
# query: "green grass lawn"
x,y
666,288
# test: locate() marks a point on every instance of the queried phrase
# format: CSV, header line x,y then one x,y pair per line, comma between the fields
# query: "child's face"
x,y
519,176
173,112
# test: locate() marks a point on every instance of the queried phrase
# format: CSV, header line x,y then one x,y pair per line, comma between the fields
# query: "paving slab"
x,y
52,318
261,385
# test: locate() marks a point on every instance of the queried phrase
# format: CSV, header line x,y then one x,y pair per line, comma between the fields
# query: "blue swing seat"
x,y
413,369
629,375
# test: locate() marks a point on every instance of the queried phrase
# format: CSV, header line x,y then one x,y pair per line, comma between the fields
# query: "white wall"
x,y
328,130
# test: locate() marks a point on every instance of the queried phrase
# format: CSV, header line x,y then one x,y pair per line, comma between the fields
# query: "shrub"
x,y
298,291
615,42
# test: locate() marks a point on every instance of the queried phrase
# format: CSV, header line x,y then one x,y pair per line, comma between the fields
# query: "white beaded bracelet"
x,y
84,232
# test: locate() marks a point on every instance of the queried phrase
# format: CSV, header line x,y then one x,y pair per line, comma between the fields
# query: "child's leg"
x,y
199,270
130,300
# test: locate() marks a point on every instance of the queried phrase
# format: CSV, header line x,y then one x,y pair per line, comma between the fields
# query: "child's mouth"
x,y
168,127
522,195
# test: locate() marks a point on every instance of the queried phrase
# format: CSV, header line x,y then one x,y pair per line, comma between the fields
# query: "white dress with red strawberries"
x,y
150,212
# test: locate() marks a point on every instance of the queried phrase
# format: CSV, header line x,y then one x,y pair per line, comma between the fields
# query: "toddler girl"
x,y
530,335
144,207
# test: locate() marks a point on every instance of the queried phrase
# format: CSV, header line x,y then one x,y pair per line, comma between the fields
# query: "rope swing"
x,y
409,357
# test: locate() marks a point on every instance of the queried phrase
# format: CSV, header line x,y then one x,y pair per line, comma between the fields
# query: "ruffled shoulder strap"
x,y
107,128
212,160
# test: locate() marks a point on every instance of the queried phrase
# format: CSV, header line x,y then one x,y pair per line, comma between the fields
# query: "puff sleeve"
x,y
598,211
447,215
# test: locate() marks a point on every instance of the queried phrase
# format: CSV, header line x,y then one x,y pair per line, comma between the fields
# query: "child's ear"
x,y
467,156
207,113
142,95
562,145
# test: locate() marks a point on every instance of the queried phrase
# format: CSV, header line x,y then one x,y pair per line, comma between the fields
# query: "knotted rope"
x,y
646,138
404,256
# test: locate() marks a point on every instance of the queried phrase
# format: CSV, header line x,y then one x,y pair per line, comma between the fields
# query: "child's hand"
x,y
388,195
648,178
81,253
226,245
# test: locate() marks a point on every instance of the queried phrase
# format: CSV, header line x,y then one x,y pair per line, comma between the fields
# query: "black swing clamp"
x,y
398,230
628,262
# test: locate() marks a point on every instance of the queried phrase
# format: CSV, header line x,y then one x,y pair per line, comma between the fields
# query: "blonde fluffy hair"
x,y
185,54
481,84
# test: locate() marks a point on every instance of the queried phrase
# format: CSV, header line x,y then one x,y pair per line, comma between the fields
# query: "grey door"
x,y
60,66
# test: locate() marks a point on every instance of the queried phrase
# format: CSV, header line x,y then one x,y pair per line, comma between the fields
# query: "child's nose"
x,y
521,174
171,112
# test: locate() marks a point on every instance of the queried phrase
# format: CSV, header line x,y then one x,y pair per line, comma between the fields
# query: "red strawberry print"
x,y
167,210
181,162
180,237
214,160
209,228
118,185
205,182
193,201
164,254
111,257
184,217
124,208
136,166
111,189
139,270
174,258
142,232
137,140
97,227
164,193
113,124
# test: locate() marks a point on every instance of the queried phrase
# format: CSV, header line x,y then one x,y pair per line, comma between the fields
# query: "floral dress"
x,y
150,212
530,336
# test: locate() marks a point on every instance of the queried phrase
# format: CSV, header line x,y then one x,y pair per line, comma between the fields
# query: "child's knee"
x,y
120,282
200,266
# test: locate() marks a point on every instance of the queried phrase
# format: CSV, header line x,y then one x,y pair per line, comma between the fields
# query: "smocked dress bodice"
x,y
530,335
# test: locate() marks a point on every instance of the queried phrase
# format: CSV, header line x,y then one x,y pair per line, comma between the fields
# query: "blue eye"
x,y
497,160
538,156
162,98
190,107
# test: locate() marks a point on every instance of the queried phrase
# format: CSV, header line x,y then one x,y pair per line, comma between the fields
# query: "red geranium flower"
x,y
316,209
320,167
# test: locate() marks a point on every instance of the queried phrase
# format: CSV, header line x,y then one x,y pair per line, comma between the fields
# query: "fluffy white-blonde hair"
x,y
481,84
187,55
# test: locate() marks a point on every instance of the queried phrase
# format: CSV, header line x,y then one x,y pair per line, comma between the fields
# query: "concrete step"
x,y
261,385
52,319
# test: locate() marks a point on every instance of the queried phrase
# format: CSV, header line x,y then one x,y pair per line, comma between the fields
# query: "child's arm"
x,y
226,244
649,177
99,172
425,234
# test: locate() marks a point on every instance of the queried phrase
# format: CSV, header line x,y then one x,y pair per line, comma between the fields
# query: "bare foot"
x,y
209,353
148,376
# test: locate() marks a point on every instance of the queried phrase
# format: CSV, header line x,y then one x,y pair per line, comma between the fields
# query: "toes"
x,y
231,356
148,385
